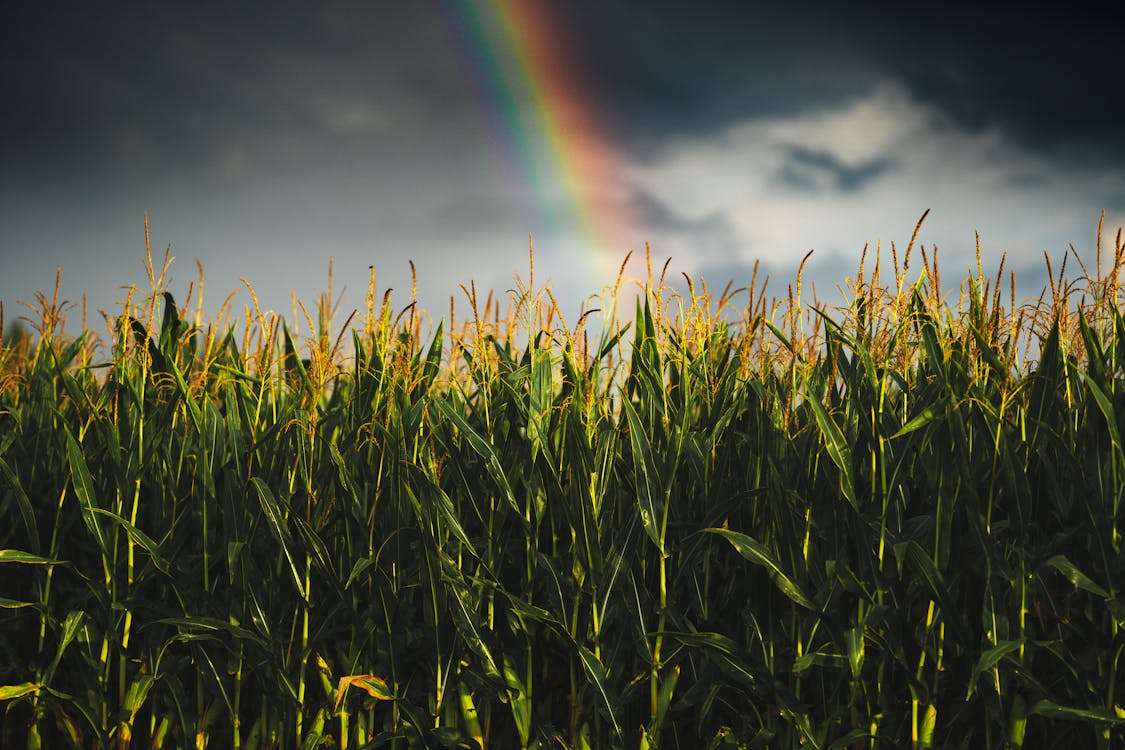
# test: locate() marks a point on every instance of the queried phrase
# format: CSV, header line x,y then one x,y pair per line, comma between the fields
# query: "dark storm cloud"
x,y
125,88
263,138
815,170
667,68
142,86
1046,74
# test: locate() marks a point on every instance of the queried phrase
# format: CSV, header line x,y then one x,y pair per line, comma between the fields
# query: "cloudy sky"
x,y
263,139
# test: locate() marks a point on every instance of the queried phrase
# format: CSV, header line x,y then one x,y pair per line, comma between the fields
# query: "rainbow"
x,y
546,133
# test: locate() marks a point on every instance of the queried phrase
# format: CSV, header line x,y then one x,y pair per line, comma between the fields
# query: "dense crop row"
x,y
890,524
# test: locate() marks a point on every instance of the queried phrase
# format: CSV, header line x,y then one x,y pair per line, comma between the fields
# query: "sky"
x,y
263,139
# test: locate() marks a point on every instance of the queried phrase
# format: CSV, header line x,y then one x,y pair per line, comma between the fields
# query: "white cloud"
x,y
773,187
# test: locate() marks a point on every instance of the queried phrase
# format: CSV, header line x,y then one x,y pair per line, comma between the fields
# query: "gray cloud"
x,y
1041,73
709,237
907,158
816,170
263,140
135,89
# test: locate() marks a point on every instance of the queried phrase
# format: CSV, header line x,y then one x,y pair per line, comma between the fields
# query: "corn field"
x,y
715,522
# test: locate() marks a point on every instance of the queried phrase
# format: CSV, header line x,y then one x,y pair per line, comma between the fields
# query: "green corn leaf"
x,y
664,694
1017,721
855,641
850,739
740,670
645,471
433,356
23,502
138,537
235,549
278,528
532,613
519,701
611,341
838,449
779,334
26,558
84,489
990,659
440,500
1053,710
75,620
14,604
927,415
11,692
1110,414
1046,379
818,658
540,397
315,548
1095,356
595,672
203,658
137,694
929,721
360,567
342,471
933,581
470,715
210,628
755,552
1062,564
298,374
193,408
716,641
466,620
481,447
987,351
935,357
171,326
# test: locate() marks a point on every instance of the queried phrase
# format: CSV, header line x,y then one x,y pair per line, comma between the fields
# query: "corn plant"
x,y
742,521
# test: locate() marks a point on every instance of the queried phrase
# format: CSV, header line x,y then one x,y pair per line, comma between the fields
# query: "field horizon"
x,y
525,305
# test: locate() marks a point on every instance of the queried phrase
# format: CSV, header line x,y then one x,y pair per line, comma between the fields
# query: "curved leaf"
x,y
755,552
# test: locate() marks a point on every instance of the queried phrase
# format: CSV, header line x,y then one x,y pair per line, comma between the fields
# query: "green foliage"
x,y
885,525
